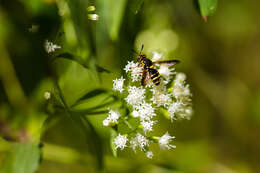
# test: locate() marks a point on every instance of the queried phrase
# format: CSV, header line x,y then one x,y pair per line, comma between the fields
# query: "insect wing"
x,y
169,62
145,77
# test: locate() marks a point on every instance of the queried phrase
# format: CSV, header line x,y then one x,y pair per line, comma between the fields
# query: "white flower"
x,y
181,92
147,125
112,118
133,144
120,141
139,141
47,95
144,111
160,96
142,141
149,154
135,69
179,85
118,84
50,47
174,108
156,56
180,77
166,72
165,140
189,112
93,16
106,122
135,96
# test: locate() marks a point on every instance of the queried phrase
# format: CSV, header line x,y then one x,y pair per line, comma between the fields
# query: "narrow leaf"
x,y
207,8
101,69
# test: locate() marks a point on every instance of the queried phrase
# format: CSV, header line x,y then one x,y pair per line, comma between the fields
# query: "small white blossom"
x,y
160,97
112,118
135,69
181,91
144,111
106,122
156,56
50,47
139,141
174,108
189,112
166,72
47,95
147,125
149,154
142,141
136,95
180,78
120,141
133,144
118,84
165,140
93,16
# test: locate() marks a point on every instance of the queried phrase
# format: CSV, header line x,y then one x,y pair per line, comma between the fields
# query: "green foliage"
x,y
221,59
23,158
112,145
207,7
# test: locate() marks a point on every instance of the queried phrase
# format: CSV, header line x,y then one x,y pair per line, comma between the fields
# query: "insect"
x,y
149,70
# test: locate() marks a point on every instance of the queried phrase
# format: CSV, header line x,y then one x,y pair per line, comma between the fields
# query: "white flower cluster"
x,y
112,118
135,70
50,47
144,103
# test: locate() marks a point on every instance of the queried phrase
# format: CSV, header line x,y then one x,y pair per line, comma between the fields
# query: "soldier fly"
x,y
149,70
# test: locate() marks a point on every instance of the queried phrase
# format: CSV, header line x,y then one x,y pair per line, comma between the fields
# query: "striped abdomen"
x,y
155,76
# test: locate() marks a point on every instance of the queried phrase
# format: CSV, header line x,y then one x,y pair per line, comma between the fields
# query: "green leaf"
x,y
66,55
114,11
112,145
136,5
23,158
90,94
92,138
207,7
101,69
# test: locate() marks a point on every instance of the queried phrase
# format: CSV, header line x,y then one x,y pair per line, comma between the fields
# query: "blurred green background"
x,y
220,57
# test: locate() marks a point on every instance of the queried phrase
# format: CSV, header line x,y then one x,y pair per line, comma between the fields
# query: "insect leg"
x,y
144,76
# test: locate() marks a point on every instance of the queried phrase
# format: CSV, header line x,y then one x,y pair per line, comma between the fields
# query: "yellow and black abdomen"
x,y
155,76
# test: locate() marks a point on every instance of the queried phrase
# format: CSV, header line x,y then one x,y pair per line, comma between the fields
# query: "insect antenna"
x,y
141,49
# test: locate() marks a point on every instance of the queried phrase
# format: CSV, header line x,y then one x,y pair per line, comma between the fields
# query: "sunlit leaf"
x,y
23,158
207,7
115,15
